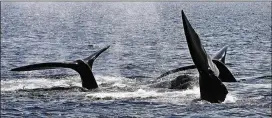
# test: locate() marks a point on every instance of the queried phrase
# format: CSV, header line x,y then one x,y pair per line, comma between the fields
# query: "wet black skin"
x,y
86,75
211,87
83,67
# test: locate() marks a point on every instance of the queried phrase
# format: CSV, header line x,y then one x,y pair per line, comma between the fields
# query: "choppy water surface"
x,y
146,40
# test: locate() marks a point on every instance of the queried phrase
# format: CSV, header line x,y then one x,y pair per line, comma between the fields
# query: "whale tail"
x,y
83,67
224,73
177,70
54,65
43,66
220,56
89,60
211,87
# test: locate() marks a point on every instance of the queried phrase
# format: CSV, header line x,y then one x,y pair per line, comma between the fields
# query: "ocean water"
x,y
146,39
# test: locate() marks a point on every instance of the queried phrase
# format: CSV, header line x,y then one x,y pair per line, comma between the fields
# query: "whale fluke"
x,y
211,87
224,74
83,67
177,70
220,56
92,57
42,66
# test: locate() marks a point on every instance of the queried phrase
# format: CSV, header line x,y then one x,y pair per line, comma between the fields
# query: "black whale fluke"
x,y
177,70
83,67
211,87
91,58
220,56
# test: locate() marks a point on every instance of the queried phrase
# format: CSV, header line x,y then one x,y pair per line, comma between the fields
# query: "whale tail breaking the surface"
x,y
83,67
211,87
220,56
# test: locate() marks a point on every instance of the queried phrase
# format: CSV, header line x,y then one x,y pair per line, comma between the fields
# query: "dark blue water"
x,y
146,39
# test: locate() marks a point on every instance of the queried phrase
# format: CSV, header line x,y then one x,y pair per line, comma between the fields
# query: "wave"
x,y
46,83
111,88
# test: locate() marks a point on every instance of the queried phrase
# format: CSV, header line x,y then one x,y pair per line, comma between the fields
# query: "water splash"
x,y
140,93
157,95
230,98
33,83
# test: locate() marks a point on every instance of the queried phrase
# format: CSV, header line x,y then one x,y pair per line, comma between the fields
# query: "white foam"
x,y
32,83
110,79
140,93
146,93
230,98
